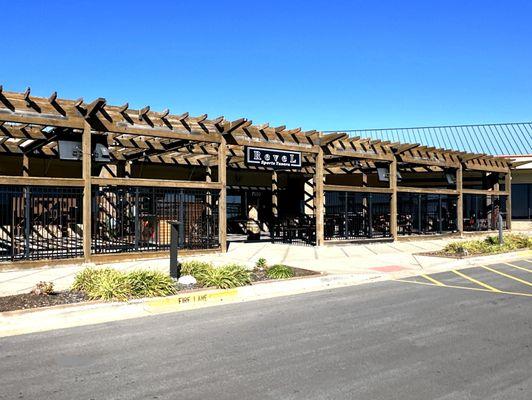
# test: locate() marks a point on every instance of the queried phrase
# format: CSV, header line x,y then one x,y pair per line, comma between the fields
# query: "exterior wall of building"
x,y
522,194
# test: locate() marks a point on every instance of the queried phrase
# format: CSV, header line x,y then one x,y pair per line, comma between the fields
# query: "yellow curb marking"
x,y
506,275
476,281
192,299
429,278
518,267
466,288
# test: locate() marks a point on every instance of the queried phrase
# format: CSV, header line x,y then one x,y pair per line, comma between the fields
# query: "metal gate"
x,y
129,219
295,229
38,222
350,215
426,213
481,212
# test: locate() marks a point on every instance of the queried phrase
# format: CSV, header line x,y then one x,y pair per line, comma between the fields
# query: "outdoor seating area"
x,y
294,229
427,214
88,180
351,216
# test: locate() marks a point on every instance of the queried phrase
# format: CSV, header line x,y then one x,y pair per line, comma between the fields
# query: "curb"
x,y
73,315
97,312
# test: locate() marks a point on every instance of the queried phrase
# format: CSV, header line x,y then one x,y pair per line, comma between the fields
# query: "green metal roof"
x,y
494,139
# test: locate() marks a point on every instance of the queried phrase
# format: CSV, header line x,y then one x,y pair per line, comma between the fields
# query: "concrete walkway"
x,y
368,261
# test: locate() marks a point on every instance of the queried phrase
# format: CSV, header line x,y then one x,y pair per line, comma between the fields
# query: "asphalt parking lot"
x,y
513,278
453,336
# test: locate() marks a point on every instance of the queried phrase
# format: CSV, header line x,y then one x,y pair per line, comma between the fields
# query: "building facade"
x,y
94,182
511,140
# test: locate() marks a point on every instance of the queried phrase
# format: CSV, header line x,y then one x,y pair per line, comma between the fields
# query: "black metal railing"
x,y
351,215
38,222
481,212
129,219
296,229
426,213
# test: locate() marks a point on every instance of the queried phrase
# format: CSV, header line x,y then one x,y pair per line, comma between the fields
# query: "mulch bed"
x,y
26,301
461,256
260,275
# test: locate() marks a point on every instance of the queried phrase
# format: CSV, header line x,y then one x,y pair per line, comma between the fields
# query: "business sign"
x,y
272,158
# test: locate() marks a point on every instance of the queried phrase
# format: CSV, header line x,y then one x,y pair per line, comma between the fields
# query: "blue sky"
x,y
322,65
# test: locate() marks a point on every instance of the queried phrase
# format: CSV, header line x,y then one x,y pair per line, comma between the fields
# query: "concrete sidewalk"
x,y
71,315
368,261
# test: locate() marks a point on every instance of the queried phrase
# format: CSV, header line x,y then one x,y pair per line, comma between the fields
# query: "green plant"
x,y
228,276
489,245
261,264
198,269
145,283
280,271
110,286
43,289
102,284
87,278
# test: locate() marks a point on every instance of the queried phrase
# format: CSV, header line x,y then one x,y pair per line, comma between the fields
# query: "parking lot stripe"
x,y
518,267
432,280
477,289
476,281
507,276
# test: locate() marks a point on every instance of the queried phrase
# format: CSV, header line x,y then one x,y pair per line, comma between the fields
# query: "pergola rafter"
x,y
32,126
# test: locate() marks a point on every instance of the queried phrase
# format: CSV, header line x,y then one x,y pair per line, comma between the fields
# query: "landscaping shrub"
x,y
109,285
145,283
261,264
89,277
489,245
280,271
198,269
228,276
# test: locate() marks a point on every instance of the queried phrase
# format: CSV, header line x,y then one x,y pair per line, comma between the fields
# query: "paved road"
x,y
390,340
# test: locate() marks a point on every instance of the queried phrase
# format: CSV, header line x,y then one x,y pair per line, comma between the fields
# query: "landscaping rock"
x,y
187,280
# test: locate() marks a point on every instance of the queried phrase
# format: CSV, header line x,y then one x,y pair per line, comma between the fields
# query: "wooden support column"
x,y
222,179
87,195
25,165
127,169
309,196
508,188
460,202
393,199
319,198
365,198
275,199
208,199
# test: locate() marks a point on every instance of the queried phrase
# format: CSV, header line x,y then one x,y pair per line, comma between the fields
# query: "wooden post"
x,y
275,199
222,179
508,188
25,165
319,198
460,201
208,197
127,169
309,196
393,199
87,192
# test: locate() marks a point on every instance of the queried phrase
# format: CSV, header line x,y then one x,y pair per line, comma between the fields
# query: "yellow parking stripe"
x,y
432,280
467,288
477,282
507,276
518,267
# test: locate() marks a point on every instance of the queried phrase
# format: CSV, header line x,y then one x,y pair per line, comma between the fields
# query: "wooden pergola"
x,y
31,126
